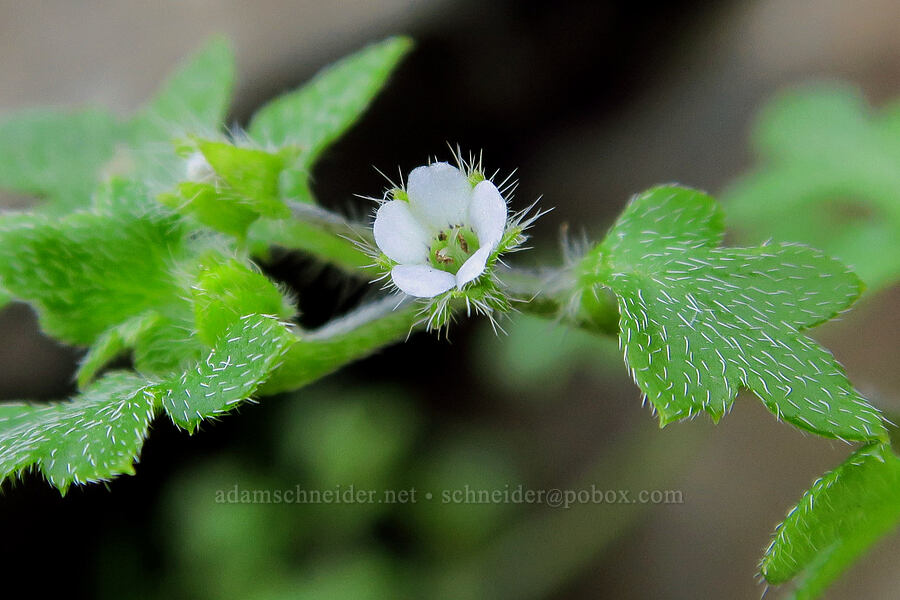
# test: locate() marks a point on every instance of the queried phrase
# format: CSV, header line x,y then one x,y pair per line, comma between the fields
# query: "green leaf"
x,y
87,272
94,437
698,322
57,155
828,175
113,343
837,520
315,115
241,360
225,292
214,206
195,97
253,174
515,363
193,101
169,344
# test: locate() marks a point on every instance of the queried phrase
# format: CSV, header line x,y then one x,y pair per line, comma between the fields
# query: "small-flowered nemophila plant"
x,y
151,233
439,237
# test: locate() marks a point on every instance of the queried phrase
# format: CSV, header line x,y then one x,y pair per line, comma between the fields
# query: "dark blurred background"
x,y
591,102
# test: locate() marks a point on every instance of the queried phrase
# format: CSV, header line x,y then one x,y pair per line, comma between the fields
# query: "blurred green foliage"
x,y
828,174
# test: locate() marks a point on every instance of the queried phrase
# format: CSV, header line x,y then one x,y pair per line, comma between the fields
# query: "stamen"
x,y
462,242
441,256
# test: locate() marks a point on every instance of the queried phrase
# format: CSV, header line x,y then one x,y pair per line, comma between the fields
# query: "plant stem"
x,y
331,222
548,292
345,339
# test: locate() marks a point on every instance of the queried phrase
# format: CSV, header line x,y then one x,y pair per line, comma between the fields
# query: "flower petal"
x,y
474,267
399,235
487,214
439,194
422,281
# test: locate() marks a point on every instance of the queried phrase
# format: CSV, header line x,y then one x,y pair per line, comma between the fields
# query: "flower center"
x,y
451,248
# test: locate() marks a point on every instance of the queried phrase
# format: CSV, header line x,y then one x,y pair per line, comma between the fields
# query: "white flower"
x,y
444,235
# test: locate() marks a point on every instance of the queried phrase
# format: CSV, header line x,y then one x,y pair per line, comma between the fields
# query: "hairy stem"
x,y
351,337
547,292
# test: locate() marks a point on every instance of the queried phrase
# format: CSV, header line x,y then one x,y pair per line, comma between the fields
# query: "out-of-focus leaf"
x,y
56,155
194,100
351,436
516,363
828,175
87,272
195,97
313,116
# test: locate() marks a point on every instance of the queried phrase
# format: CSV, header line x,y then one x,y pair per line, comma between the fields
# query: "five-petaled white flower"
x,y
446,232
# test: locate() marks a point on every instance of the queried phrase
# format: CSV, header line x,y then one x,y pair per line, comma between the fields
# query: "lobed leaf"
x,y
225,292
169,343
87,272
56,155
699,322
121,273
313,116
241,360
253,175
194,98
113,343
94,437
837,520
828,175
214,206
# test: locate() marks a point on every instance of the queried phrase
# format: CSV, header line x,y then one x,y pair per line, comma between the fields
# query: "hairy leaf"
x,y
225,292
195,98
252,174
87,272
313,116
828,175
836,521
61,155
241,360
57,155
698,322
95,436
113,343
193,101
215,206
169,344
